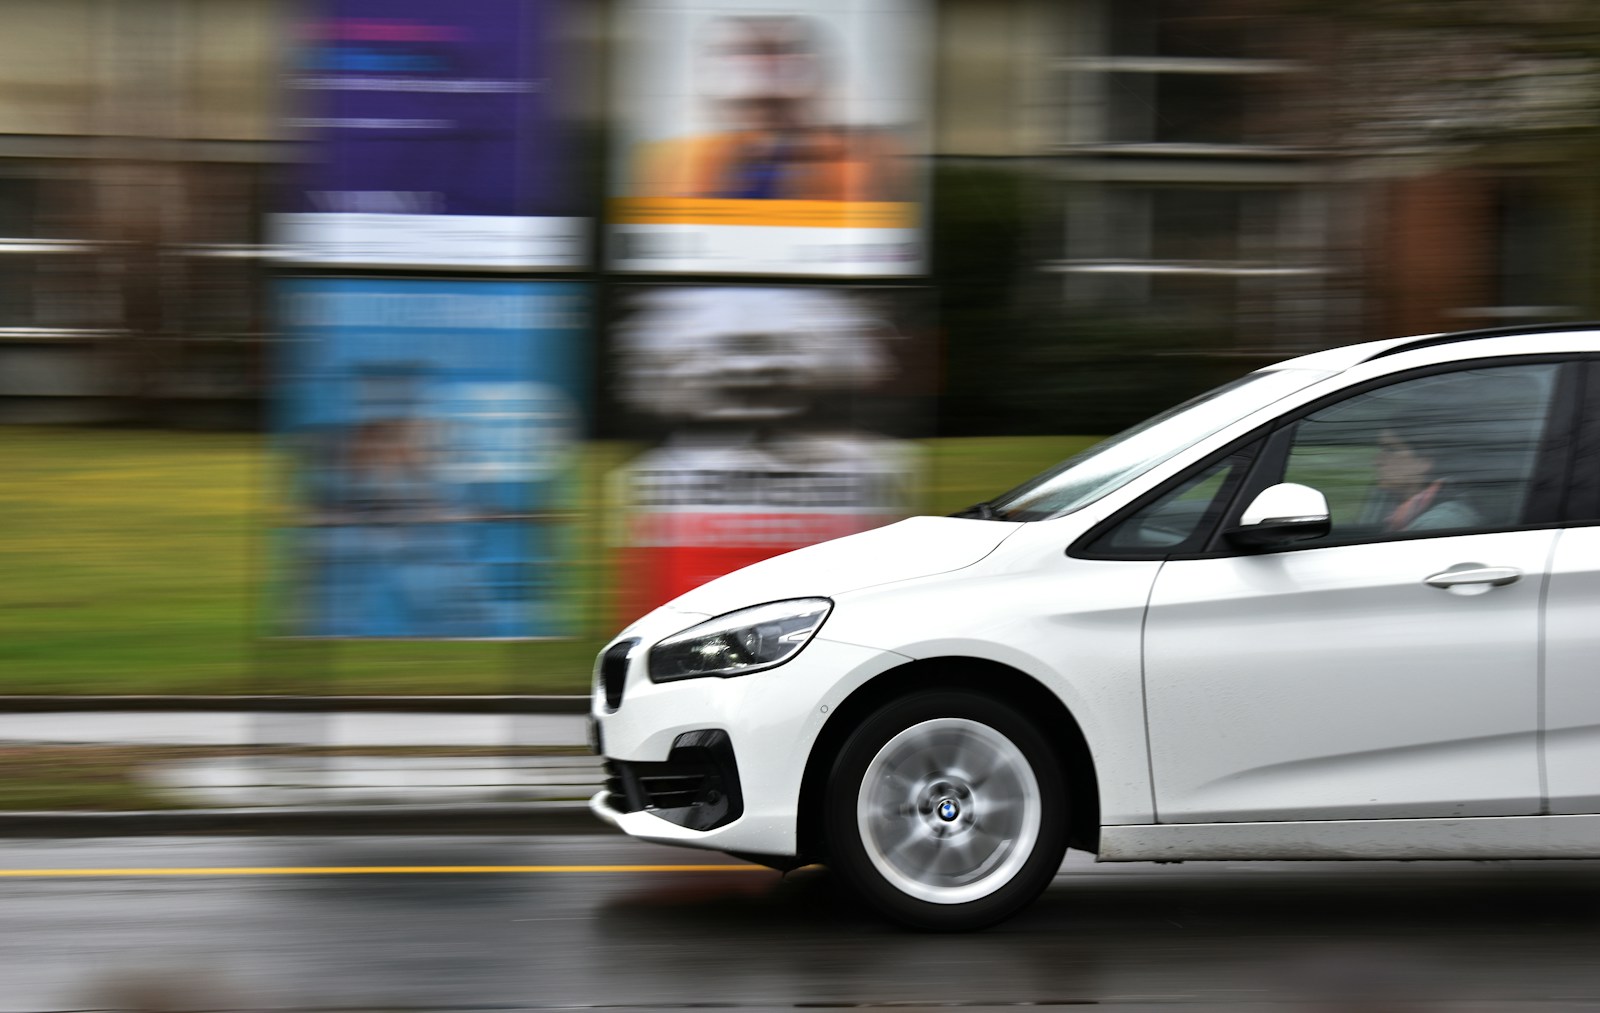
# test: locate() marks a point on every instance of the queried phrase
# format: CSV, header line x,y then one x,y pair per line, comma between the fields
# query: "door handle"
x,y
1474,575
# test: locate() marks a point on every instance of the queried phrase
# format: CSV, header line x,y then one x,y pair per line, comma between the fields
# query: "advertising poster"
x,y
781,416
430,427
431,137
763,140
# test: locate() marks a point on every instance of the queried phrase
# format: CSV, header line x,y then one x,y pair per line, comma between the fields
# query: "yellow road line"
x,y
365,870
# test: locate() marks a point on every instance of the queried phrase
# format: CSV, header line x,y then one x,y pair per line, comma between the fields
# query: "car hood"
x,y
916,547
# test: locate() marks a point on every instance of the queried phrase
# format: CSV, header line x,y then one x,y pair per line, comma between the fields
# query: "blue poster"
x,y
431,427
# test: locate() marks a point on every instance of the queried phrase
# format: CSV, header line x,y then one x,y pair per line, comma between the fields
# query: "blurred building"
x,y
1268,177
137,144
1216,178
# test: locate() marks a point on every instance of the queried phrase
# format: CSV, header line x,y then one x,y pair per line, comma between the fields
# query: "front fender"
x,y
1073,625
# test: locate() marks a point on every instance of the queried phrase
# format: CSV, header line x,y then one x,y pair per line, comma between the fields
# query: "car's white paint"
x,y
1072,624
1482,838
1572,674
1332,683
1286,501
915,547
1265,740
772,718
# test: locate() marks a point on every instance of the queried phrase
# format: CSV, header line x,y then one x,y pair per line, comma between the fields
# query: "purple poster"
x,y
432,137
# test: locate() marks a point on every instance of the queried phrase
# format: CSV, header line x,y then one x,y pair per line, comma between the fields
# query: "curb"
x,y
485,818
551,704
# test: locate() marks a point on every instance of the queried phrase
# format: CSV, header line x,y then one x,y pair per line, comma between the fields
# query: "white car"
x,y
1345,607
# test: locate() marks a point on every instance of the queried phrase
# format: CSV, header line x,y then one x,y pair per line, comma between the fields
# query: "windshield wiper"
x,y
984,511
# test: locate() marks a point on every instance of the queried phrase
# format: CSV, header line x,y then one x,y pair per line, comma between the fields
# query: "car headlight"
x,y
748,640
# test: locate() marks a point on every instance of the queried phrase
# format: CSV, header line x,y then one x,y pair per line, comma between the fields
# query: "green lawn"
x,y
138,562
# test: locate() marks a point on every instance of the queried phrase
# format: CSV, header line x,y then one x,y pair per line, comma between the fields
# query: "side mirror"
x,y
1282,514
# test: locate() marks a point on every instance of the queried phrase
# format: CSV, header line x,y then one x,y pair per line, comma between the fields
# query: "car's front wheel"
x,y
947,810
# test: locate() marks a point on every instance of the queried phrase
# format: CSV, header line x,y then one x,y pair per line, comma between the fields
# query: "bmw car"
x,y
1343,607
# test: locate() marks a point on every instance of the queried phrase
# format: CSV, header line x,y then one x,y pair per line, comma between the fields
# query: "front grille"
x,y
697,786
614,671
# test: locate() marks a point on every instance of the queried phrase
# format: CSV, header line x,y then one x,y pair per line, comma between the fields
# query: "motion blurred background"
x,y
413,346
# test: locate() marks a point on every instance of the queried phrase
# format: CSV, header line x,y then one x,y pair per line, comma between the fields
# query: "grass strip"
x,y
139,562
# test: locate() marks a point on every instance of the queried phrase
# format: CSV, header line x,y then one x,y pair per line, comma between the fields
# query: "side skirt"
x,y
1480,838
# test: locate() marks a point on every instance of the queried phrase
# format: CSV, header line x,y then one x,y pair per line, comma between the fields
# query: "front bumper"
x,y
696,787
769,721
645,825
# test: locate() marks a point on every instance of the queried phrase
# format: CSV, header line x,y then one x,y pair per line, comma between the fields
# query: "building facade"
x,y
1231,180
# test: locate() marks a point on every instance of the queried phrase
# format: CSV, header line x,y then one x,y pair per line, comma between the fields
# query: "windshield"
x,y
1079,481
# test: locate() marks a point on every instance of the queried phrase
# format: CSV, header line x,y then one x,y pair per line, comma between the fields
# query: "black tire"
x,y
950,868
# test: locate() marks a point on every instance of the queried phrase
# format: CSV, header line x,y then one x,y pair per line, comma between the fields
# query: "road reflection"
x,y
1308,937
1422,936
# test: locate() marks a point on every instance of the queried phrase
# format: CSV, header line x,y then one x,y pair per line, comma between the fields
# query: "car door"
x,y
1572,633
1364,674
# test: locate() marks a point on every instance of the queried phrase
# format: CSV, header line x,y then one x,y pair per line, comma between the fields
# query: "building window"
x,y
1193,202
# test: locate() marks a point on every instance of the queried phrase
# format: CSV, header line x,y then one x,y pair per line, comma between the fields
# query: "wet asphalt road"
x,y
1179,938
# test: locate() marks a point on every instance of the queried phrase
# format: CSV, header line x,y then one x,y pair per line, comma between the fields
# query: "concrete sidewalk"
x,y
291,728
265,781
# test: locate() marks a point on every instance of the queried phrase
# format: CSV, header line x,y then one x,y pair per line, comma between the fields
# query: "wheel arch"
x,y
1018,689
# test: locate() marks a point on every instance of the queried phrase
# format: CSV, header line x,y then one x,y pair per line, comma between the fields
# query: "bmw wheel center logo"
x,y
948,810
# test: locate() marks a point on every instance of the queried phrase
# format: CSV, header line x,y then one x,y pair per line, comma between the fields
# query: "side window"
x,y
1447,452
1180,519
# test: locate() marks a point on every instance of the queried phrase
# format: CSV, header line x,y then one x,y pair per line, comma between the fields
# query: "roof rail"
x,y
1485,332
